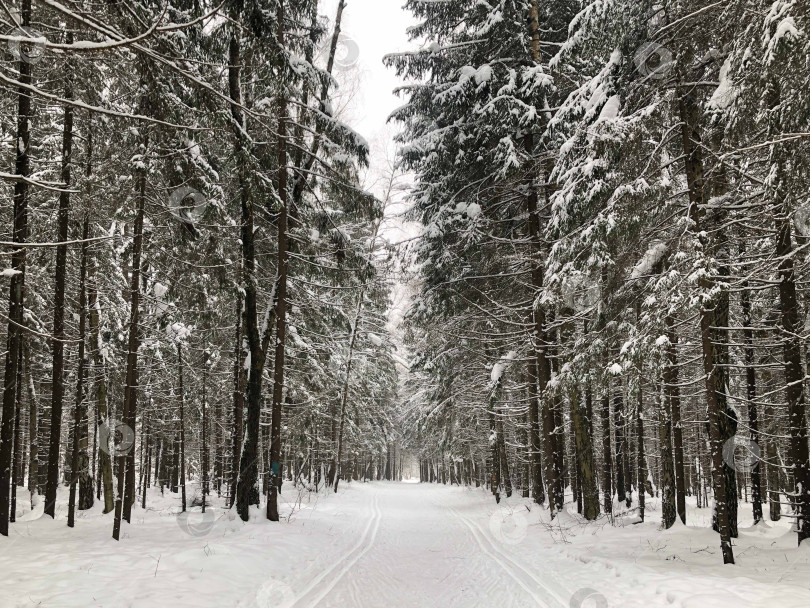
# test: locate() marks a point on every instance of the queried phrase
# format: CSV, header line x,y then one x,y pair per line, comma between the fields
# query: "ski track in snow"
x,y
343,565
428,553
510,566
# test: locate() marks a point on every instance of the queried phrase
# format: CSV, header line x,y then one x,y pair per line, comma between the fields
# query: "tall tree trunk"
x,y
640,454
102,415
607,451
495,476
553,453
715,221
33,423
14,338
621,440
238,403
281,306
525,457
204,442
751,393
182,401
334,475
79,462
16,441
585,460
538,491
126,459
673,408
667,483
695,177
58,380
502,455
246,492
219,455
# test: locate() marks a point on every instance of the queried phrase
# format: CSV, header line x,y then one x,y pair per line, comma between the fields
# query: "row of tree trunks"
x,y
799,451
17,283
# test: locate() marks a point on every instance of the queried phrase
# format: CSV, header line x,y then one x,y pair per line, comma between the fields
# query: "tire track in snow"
x,y
510,566
344,564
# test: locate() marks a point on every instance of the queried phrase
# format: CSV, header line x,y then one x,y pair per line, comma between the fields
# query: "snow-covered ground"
x,y
394,545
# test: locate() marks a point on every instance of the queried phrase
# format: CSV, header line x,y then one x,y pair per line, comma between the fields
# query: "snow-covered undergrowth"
x,y
394,546
628,563
166,559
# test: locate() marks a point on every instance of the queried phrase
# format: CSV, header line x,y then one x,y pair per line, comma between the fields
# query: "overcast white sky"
x,y
378,27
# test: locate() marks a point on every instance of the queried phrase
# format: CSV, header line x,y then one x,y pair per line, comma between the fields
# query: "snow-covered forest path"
x,y
430,545
421,548
391,545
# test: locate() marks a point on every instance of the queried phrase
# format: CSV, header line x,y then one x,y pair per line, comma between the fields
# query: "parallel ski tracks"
x,y
528,581
320,586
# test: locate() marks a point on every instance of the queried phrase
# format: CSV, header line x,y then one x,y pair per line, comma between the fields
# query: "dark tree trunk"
x,y
58,380
695,177
667,482
552,446
607,452
99,372
585,460
182,402
204,446
80,462
33,425
751,393
495,468
525,455
126,459
238,403
14,333
281,305
673,399
16,445
502,455
719,336
246,492
538,491
640,455
621,441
